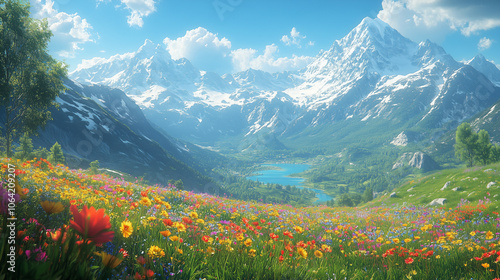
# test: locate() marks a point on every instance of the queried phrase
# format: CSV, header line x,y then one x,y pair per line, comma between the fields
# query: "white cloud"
x,y
210,53
244,59
203,48
138,10
433,19
294,38
484,43
70,30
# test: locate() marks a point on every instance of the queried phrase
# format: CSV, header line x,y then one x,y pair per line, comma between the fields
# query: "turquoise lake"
x,y
281,176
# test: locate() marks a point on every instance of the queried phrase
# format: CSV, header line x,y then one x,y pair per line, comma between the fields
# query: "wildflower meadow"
x,y
70,224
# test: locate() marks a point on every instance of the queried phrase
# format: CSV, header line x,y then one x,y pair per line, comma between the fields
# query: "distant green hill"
x,y
422,189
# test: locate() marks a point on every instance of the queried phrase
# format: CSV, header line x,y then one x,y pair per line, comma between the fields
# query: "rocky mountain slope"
x,y
100,123
373,79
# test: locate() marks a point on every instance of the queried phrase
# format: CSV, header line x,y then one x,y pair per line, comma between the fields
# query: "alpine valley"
x,y
374,98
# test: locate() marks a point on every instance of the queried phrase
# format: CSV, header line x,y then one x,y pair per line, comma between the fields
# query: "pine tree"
x,y
25,149
56,154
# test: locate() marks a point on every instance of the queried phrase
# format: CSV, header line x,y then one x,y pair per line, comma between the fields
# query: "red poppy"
x,y
409,261
168,222
92,224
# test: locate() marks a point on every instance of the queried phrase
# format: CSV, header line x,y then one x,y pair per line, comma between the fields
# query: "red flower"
x,y
92,224
150,273
168,222
409,261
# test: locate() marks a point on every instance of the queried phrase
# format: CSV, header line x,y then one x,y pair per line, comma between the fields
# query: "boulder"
x,y
393,194
423,161
445,185
456,189
437,202
490,184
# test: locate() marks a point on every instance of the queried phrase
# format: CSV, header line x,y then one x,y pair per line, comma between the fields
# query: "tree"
x,y
25,149
41,153
483,147
466,141
94,166
345,200
368,195
30,79
495,153
56,154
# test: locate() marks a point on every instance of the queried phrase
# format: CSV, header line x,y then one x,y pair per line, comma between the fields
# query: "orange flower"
x,y
109,260
485,265
248,242
165,233
52,207
92,224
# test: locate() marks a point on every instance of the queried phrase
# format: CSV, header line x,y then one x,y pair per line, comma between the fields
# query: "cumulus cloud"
x,y
70,30
207,51
203,48
138,10
484,43
420,20
244,59
294,38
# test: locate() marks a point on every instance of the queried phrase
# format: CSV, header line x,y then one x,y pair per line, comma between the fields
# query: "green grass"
x,y
471,182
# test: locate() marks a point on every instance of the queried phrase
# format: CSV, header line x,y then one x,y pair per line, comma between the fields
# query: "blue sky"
x,y
233,35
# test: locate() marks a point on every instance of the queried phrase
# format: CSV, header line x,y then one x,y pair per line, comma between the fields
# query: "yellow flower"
x,y
151,218
200,221
299,229
489,235
180,251
145,201
395,240
174,238
52,207
407,240
167,205
193,215
164,213
126,228
180,227
239,237
318,254
302,252
109,260
438,257
248,242
472,233
210,250
155,252
252,253
380,239
485,265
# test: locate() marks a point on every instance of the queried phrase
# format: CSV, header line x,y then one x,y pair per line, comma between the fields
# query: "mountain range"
x,y
372,79
139,112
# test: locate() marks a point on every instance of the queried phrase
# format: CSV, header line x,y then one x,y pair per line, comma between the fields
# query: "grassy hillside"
x,y
422,189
